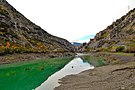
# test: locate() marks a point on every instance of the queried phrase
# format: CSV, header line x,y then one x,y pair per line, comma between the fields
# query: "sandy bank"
x,y
118,75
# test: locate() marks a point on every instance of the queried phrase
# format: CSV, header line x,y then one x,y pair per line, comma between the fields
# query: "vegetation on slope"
x,y
118,37
23,36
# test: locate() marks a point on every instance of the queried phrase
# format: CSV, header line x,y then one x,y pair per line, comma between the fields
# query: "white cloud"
x,y
73,19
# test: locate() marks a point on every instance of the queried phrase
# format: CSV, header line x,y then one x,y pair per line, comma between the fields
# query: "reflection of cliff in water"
x,y
76,66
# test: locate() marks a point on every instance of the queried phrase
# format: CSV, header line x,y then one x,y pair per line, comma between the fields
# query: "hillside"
x,y
119,36
20,35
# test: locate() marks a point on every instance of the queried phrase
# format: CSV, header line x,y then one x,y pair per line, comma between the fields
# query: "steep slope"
x,y
120,36
18,34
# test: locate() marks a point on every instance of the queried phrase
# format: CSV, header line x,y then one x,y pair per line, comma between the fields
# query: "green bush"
x,y
120,49
131,31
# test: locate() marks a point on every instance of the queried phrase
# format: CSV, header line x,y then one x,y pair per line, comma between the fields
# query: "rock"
x,y
121,31
19,32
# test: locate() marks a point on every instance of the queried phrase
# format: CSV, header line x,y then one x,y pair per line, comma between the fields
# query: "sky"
x,y
74,20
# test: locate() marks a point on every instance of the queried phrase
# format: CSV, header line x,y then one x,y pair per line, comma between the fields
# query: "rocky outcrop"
x,y
121,34
19,35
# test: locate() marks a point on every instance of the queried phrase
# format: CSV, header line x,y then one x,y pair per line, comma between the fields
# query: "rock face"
x,y
18,34
120,36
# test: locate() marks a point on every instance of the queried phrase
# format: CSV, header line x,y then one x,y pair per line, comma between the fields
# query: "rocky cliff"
x,y
120,36
19,35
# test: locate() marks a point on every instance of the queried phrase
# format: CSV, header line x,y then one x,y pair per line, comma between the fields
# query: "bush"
x,y
131,48
100,50
120,49
87,49
2,49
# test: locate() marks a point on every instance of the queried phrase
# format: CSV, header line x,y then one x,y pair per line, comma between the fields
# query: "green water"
x,y
29,75
95,61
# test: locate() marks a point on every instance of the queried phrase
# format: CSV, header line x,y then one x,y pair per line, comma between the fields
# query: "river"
x,y
43,74
76,66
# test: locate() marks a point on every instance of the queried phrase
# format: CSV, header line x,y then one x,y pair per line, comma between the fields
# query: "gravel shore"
x,y
114,76
14,58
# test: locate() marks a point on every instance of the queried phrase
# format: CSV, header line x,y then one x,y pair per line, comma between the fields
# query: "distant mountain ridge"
x,y
18,34
76,43
119,36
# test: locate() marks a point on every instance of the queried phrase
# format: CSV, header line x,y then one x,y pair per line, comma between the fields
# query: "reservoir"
x,y
44,74
76,66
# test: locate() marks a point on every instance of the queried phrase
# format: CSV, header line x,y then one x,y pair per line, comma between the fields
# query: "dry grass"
x,y
124,54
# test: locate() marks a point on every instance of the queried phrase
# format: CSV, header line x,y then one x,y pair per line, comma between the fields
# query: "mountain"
x,y
20,35
119,36
76,44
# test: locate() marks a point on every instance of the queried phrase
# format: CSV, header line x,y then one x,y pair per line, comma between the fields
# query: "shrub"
x,y
2,49
131,31
3,11
87,49
120,49
100,50
131,48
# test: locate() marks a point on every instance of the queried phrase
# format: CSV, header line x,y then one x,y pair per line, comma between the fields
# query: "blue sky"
x,y
85,38
74,20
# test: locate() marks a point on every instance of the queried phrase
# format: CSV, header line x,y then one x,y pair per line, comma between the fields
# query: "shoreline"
x,y
118,74
17,57
115,58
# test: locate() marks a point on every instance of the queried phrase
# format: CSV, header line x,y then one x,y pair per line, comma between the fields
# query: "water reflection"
x,y
76,66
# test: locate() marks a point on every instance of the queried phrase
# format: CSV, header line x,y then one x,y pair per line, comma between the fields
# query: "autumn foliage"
x,y
7,45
